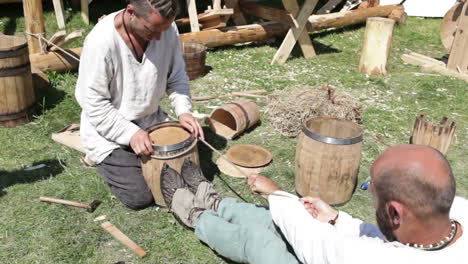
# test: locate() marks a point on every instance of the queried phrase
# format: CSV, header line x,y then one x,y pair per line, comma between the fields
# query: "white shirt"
x,y
113,88
353,241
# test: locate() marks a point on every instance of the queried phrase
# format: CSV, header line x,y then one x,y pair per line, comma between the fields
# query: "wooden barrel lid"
x,y
11,43
249,156
228,169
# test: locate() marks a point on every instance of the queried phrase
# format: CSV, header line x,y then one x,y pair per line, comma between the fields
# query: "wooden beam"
x,y
34,20
268,13
294,33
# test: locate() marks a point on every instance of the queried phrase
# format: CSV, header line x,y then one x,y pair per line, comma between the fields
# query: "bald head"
x,y
418,176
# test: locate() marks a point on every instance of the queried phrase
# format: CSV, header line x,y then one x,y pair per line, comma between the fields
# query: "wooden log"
x,y
34,24
376,48
55,61
234,35
348,18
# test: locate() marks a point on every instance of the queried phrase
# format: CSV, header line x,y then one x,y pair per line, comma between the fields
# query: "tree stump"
x,y
376,48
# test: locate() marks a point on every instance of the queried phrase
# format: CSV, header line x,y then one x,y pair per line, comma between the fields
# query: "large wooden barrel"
x,y
328,155
231,119
194,56
16,86
171,144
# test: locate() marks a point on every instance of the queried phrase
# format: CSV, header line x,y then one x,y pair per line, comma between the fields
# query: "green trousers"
x,y
244,233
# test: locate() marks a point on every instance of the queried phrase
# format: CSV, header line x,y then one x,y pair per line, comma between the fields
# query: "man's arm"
x,y
178,89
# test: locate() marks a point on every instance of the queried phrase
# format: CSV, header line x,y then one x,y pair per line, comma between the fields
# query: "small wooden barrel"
x,y
16,86
232,119
194,56
171,144
328,154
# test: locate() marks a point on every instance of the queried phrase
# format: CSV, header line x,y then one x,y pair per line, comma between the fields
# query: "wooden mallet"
x,y
90,207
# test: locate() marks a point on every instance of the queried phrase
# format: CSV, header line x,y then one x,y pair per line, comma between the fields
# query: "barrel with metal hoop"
x,y
16,86
171,144
231,119
328,155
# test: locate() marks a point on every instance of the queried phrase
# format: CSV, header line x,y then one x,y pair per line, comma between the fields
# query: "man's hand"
x,y
262,185
141,143
319,209
192,124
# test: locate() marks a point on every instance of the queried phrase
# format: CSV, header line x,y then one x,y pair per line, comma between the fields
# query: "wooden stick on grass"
x,y
117,234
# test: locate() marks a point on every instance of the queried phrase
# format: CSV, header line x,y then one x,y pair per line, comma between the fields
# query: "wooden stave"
x,y
245,112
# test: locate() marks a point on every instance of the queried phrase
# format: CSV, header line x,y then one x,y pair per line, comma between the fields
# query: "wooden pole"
x,y
34,20
376,48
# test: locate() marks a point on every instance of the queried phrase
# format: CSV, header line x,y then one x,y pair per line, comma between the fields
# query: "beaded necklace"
x,y
441,244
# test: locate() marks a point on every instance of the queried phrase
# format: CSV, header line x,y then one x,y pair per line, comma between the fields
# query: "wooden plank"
x,y
268,13
458,60
294,33
427,64
68,39
238,17
122,238
193,16
59,13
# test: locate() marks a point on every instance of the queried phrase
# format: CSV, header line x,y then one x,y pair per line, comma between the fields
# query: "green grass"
x,y
35,232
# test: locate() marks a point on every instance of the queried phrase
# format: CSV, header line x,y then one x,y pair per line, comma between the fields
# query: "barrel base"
x,y
16,119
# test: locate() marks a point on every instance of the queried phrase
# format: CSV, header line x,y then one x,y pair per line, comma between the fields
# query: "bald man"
x,y
419,218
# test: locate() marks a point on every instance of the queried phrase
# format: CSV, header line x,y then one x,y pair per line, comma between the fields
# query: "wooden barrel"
x,y
328,155
16,86
231,119
171,144
194,56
